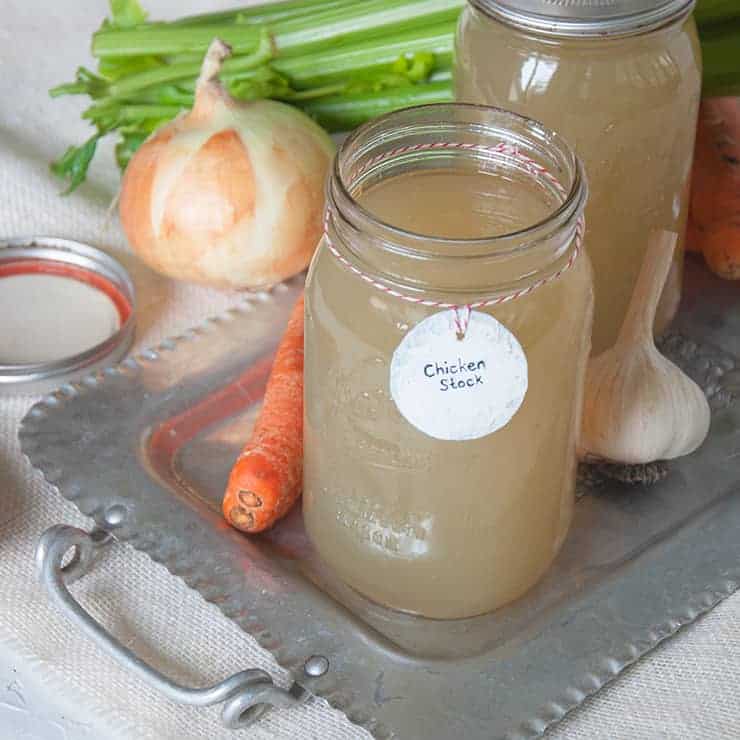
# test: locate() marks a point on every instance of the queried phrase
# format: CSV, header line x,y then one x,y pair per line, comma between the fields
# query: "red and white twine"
x,y
463,311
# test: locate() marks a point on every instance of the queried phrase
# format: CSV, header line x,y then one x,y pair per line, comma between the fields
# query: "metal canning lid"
x,y
66,310
589,18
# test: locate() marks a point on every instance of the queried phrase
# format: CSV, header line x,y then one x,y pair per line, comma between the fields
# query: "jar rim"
x,y
571,206
586,20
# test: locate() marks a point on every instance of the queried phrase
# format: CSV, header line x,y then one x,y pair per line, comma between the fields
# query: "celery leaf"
x,y
127,13
73,164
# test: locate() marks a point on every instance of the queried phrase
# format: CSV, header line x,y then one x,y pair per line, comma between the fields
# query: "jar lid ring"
x,y
582,18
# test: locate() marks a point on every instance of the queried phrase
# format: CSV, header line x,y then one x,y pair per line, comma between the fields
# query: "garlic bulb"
x,y
639,406
229,194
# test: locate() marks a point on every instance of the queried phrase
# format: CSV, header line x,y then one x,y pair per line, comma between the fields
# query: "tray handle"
x,y
246,695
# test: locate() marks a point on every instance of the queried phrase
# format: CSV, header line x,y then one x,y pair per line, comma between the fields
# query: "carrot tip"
x,y
249,499
241,518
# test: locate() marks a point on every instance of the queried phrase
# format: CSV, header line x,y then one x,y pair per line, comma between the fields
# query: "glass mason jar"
x,y
621,82
448,318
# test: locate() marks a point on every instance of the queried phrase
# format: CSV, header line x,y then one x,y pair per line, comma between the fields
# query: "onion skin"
x,y
229,195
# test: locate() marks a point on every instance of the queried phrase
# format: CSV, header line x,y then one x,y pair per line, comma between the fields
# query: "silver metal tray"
x,y
145,449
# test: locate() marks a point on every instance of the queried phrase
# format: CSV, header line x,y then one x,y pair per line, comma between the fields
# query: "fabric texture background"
x,y
687,688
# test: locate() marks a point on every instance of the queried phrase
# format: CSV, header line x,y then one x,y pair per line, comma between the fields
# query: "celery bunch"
x,y
341,61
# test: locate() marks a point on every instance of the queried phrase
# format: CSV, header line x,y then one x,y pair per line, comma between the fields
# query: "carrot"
x,y
715,189
266,478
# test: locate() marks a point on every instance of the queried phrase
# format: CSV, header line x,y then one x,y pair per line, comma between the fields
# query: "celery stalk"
x,y
130,113
345,112
270,13
369,19
173,72
294,36
166,40
367,57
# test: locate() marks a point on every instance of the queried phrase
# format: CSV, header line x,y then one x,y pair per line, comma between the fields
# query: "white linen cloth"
x,y
687,688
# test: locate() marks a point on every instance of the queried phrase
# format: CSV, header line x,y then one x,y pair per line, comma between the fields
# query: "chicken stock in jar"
x,y
620,80
448,317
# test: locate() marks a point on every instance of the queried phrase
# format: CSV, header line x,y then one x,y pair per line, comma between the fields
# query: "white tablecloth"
x,y
688,688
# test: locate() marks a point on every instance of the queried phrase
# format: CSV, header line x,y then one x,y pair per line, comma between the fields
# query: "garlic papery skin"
x,y
230,194
639,406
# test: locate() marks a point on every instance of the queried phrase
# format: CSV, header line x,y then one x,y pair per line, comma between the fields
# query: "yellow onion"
x,y
230,194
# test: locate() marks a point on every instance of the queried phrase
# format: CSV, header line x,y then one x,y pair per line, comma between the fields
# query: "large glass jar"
x,y
620,80
448,317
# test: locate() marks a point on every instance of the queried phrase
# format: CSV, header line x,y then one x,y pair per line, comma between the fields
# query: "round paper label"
x,y
457,389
